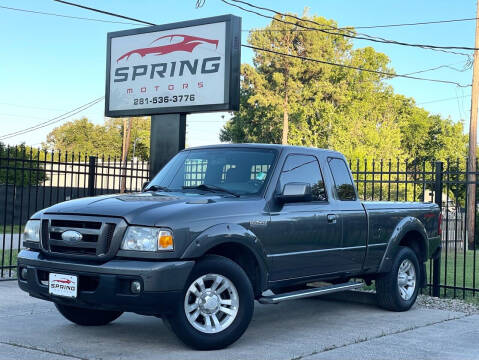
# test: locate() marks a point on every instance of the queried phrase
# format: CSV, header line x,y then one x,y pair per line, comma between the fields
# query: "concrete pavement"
x,y
309,329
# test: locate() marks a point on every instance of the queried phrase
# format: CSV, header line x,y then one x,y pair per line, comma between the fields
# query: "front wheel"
x,y
87,317
397,290
217,305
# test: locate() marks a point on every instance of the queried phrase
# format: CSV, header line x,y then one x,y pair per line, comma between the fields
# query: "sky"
x,y
50,65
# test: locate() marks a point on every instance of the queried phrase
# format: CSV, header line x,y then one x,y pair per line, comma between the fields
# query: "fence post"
x,y
91,175
436,262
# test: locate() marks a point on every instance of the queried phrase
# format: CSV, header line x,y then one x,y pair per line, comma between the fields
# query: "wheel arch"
x,y
409,232
237,244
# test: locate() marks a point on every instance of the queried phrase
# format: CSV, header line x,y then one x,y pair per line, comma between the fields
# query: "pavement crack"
x,y
42,350
383,334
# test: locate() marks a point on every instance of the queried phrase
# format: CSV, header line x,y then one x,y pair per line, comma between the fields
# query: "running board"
x,y
274,299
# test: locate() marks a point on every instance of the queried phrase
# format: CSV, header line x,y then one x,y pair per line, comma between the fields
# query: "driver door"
x,y
304,237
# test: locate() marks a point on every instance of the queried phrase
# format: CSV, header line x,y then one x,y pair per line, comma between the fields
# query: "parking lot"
x,y
304,329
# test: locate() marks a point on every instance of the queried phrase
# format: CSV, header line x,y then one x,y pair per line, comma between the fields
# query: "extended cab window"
x,y
342,181
304,169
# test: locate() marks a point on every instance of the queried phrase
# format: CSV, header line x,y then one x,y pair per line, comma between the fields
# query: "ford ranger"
x,y
218,228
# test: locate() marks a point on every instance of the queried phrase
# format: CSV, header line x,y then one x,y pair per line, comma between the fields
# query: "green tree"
x,y
351,111
139,139
20,165
84,137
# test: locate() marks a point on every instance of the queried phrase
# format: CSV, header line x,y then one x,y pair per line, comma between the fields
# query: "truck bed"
x,y
383,220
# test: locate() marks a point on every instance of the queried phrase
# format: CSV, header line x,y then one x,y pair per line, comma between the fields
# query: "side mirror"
x,y
295,192
145,184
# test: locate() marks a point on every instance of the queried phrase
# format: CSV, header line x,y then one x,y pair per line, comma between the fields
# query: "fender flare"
x,y
406,225
229,233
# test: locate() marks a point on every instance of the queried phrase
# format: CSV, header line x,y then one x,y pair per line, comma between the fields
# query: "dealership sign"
x,y
184,67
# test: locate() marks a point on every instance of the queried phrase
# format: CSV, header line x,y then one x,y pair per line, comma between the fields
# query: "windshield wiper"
x,y
156,188
211,188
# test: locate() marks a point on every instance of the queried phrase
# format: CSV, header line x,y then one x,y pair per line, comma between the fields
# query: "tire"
x,y
234,288
388,292
87,317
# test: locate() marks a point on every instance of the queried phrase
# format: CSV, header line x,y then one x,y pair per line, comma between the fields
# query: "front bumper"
x,y
107,286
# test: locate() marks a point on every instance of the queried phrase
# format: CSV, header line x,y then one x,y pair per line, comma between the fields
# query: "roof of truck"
x,y
289,148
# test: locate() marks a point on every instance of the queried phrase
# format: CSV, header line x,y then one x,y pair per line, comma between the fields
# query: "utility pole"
x,y
284,137
471,160
134,147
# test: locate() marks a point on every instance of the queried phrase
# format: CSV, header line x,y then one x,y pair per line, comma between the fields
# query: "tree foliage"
x,y
21,165
84,137
334,107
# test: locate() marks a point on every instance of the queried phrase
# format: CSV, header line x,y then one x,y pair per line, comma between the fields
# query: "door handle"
x,y
331,219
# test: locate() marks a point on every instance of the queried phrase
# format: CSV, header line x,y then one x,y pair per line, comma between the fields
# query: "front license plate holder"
x,y
63,285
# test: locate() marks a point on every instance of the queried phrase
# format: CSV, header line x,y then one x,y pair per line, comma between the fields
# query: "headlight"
x,y
141,238
32,231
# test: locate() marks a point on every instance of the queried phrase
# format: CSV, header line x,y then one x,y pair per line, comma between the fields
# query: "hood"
x,y
137,208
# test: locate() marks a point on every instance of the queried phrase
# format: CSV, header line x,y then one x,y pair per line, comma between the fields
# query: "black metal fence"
x,y
455,273
31,180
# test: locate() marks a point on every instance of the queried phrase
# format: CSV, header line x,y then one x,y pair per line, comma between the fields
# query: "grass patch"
x,y
7,229
458,270
455,271
8,258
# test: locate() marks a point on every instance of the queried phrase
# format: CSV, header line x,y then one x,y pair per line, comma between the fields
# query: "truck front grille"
x,y
96,236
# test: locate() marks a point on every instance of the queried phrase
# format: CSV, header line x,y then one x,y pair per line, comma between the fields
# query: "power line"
x,y
66,16
104,12
441,100
245,30
200,3
414,24
53,120
459,108
375,26
466,67
22,116
290,55
30,107
351,36
354,67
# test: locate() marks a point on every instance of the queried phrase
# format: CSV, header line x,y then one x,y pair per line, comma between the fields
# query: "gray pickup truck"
x,y
219,227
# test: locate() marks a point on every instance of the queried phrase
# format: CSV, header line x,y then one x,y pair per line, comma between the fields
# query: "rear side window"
x,y
304,169
342,180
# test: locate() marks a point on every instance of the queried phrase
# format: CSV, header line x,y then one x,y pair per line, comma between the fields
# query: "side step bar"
x,y
274,299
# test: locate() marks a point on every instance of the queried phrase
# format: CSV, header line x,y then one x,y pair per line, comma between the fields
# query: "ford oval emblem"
x,y
71,235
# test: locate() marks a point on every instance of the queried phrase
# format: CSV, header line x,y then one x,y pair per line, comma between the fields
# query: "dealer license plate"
x,y
63,285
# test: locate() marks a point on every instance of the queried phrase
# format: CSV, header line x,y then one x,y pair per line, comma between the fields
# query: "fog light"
x,y
23,273
135,287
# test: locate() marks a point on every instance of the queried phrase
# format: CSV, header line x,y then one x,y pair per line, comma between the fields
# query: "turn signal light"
x,y
165,240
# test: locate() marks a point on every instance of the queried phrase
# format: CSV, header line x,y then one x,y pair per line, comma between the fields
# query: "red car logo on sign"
x,y
63,281
189,43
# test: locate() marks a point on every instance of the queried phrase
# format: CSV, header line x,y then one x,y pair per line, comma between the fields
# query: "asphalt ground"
x,y
309,329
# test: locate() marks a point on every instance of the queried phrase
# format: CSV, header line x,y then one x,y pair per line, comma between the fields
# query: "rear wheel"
x,y
217,305
87,317
398,289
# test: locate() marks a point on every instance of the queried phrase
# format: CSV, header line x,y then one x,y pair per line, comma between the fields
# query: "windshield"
x,y
234,170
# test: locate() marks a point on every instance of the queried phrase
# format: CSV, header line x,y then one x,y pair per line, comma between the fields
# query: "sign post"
x,y
166,146
172,70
